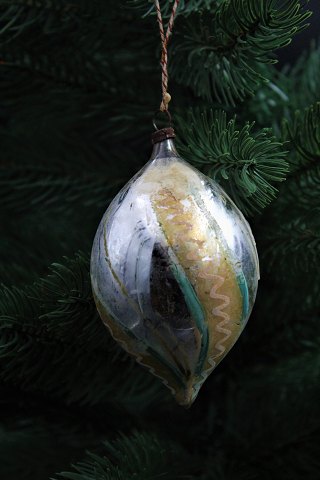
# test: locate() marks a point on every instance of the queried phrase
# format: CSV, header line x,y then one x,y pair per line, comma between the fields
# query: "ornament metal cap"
x,y
162,134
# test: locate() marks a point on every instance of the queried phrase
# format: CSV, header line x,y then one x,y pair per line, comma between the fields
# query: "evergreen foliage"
x,y
79,84
39,322
247,163
142,456
227,51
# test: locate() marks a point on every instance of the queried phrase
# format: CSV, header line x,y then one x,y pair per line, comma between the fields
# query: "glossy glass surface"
x,y
174,271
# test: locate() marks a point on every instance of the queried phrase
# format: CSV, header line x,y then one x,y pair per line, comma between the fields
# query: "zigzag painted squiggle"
x,y
217,311
219,327
175,210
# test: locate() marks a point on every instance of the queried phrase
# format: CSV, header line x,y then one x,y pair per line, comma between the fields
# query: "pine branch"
x,y
290,251
56,234
281,444
142,456
20,49
75,137
292,88
293,382
304,77
225,53
59,300
55,322
293,244
78,46
246,163
185,7
271,103
280,436
25,189
304,136
61,6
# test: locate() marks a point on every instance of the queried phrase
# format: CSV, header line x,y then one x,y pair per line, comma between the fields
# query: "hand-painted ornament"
x,y
174,270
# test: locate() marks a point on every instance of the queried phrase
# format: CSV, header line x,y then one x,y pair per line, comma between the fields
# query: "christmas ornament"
x,y
174,269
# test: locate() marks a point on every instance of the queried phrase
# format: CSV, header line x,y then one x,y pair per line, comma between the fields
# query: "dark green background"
x,y
79,84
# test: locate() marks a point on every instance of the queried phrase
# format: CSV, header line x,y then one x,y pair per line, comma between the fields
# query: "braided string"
x,y
164,56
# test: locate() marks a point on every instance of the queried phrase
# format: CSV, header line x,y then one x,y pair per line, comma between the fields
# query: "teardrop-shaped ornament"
x,y
174,270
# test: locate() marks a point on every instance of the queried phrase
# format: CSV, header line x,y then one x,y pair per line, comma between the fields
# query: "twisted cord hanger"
x,y
164,55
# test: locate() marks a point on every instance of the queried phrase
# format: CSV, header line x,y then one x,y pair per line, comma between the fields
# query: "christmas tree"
x,y
80,82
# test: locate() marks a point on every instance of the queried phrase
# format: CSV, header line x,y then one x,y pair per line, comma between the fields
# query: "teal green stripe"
x,y
242,282
175,372
196,310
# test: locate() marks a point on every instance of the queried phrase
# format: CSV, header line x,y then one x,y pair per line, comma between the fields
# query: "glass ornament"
x,y
174,270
